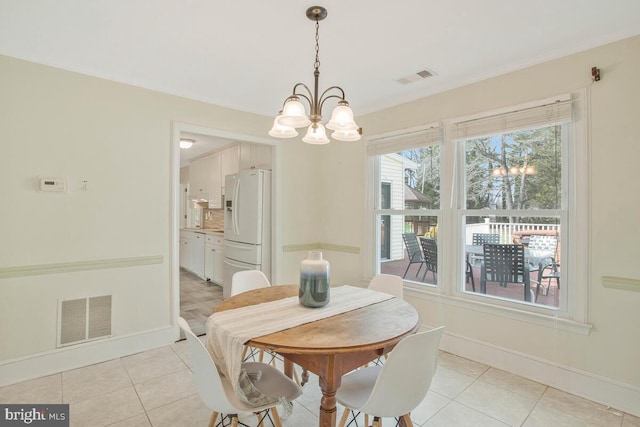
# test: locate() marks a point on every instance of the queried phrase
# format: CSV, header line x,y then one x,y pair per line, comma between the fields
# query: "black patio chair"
x,y
430,254
469,275
414,252
480,239
547,265
505,264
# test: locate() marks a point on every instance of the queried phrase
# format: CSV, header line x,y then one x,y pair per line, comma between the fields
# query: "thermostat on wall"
x,y
53,183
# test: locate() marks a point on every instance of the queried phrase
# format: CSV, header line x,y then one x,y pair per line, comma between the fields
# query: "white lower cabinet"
x,y
192,252
214,258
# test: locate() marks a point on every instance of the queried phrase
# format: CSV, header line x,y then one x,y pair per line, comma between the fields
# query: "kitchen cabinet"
x,y
192,252
255,156
185,256
214,185
229,162
207,174
198,178
214,258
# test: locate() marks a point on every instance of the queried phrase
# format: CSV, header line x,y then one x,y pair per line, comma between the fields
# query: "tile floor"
x,y
155,388
198,298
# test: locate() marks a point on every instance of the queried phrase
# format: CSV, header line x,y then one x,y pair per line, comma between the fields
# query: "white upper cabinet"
x,y
230,162
213,181
207,174
198,176
255,156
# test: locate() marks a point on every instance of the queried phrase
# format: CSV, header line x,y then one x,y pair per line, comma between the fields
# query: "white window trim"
x,y
576,280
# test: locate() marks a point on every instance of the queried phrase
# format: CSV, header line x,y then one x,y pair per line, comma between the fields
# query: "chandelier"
x,y
293,114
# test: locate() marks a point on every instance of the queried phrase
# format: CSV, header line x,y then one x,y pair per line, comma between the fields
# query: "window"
x,y
505,178
407,203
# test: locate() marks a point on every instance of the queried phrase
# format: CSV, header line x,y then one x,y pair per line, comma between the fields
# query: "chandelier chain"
x,y
316,64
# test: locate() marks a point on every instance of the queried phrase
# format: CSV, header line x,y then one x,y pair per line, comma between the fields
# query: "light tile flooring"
x,y
155,388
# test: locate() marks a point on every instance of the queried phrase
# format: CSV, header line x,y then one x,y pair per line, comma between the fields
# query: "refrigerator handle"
x,y
234,213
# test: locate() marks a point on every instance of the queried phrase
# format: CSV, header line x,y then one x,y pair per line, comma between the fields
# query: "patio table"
x,y
532,256
332,346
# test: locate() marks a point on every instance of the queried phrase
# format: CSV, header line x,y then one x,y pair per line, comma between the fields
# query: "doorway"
x,y
201,304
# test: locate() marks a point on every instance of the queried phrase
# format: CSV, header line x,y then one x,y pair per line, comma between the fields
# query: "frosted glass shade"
x,y
346,135
186,143
316,134
293,114
280,131
342,118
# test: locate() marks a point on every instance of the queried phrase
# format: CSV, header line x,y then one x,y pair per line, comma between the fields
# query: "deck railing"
x,y
505,229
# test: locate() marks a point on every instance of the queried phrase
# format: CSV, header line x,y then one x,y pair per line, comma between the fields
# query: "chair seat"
x,y
356,386
272,382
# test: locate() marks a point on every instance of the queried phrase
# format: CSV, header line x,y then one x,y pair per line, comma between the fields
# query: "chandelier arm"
x,y
334,96
328,97
308,98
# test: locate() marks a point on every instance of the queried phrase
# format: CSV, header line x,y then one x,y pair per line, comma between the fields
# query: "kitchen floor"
x,y
155,388
198,299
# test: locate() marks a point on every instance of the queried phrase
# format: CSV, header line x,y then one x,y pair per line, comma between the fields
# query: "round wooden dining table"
x,y
332,346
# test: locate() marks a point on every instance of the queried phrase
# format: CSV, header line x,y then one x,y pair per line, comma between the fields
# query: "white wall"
x,y
54,246
117,137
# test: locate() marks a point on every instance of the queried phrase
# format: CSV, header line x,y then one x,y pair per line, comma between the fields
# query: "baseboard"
x,y
608,392
52,362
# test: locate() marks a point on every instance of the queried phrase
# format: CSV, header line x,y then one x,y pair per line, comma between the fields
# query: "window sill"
x,y
539,319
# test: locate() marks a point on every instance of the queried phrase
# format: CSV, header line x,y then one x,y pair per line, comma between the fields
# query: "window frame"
x,y
574,314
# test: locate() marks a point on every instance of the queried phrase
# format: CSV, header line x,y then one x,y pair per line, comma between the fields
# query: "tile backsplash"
x,y
213,218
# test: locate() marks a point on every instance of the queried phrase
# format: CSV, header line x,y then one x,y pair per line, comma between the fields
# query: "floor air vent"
x,y
84,319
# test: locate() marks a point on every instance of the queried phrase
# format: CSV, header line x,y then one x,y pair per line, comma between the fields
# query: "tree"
x,y
516,170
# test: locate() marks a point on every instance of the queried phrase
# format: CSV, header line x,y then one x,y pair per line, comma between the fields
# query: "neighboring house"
x,y
392,177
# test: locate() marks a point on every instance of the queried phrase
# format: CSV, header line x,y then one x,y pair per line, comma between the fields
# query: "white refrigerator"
x,y
247,224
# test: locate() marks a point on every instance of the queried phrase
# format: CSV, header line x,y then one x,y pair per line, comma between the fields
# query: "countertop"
x,y
205,230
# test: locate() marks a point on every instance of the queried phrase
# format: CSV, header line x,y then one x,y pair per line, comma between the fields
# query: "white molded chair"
x,y
248,280
244,281
389,284
397,387
217,393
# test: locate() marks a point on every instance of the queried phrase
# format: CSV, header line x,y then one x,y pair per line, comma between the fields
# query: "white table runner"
x,y
228,330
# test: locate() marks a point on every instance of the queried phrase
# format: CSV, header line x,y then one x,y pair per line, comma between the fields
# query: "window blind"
x,y
405,141
549,114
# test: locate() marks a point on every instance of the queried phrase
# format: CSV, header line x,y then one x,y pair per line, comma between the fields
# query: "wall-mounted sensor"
x,y
53,183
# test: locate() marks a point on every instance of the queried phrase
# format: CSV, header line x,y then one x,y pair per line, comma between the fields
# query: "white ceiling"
x,y
248,54
203,144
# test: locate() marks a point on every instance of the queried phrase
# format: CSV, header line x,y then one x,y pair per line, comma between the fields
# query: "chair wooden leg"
x,y
407,420
276,417
212,420
345,415
234,420
244,352
366,420
261,356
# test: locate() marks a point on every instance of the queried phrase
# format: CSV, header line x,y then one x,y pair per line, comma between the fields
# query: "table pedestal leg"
x,y
327,404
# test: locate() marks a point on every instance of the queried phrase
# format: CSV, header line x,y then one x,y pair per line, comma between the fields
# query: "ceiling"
x,y
203,144
247,55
